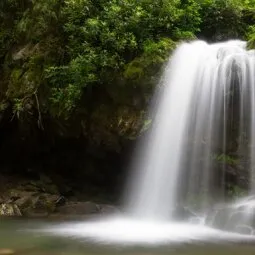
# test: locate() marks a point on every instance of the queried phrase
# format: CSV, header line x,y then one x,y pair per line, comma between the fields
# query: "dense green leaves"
x,y
226,19
61,58
251,37
106,38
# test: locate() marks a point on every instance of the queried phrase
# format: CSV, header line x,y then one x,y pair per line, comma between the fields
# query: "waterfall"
x,y
205,109
207,99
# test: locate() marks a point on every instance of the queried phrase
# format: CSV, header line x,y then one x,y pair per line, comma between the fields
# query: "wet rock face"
x,y
78,208
238,174
37,204
42,199
29,204
85,208
236,217
32,204
108,209
183,213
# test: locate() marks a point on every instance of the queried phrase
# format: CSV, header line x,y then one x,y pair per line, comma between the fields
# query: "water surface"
x,y
22,237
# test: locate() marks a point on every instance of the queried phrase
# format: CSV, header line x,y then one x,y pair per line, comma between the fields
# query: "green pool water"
x,y
21,237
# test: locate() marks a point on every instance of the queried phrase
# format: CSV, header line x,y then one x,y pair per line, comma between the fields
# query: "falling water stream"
x,y
192,123
205,90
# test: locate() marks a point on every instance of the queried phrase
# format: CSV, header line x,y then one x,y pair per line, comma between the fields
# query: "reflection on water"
x,y
16,239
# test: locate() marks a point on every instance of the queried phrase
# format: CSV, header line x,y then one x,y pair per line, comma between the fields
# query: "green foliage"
x,y
189,20
226,19
61,58
112,40
63,94
18,107
38,19
225,159
251,37
63,100
234,191
154,55
222,19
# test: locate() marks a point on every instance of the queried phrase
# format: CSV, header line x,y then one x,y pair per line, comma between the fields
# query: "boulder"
x,y
38,204
35,204
78,208
108,209
245,230
183,213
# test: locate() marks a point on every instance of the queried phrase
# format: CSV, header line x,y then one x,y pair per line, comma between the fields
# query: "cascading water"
x,y
155,183
206,90
207,100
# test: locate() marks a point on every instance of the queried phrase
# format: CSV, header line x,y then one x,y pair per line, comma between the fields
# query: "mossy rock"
x,y
79,208
38,205
9,210
24,202
32,203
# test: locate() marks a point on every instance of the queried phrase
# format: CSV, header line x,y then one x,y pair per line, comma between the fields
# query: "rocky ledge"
x,y
30,204
31,199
